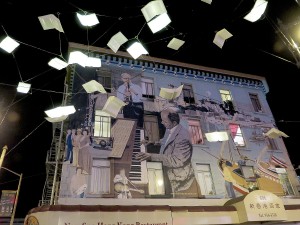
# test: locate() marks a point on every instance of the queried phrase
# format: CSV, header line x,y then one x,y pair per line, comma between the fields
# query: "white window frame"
x,y
255,102
188,88
100,176
227,97
105,78
205,179
151,128
102,126
155,178
195,131
238,138
147,85
272,144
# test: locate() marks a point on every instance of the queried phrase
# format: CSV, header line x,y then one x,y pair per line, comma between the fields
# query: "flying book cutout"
x,y
113,105
93,86
275,133
50,22
170,93
56,119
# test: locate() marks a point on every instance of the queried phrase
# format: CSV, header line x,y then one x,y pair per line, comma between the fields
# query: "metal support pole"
x,y
19,185
4,149
58,151
16,200
56,164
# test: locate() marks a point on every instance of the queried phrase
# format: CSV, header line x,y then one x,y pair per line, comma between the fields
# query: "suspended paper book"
x,y
50,22
216,136
93,86
153,9
93,62
60,111
116,41
159,22
77,57
88,20
207,1
175,44
56,119
113,106
136,50
57,63
23,87
169,93
220,37
275,133
257,11
8,44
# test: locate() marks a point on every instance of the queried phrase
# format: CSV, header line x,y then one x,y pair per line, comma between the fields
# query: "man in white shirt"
x,y
128,91
131,94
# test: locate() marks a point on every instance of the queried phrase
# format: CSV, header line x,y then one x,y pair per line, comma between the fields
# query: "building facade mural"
x,y
156,147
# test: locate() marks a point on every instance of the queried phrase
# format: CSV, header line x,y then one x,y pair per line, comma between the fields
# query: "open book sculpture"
x,y
113,106
93,86
170,93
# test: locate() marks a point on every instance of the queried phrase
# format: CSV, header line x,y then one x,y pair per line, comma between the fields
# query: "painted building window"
x,y
272,145
188,94
102,126
100,176
205,180
236,134
195,131
104,78
286,184
255,102
147,88
227,100
151,128
155,177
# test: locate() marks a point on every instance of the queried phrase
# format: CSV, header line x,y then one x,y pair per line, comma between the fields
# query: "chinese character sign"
x,y
7,202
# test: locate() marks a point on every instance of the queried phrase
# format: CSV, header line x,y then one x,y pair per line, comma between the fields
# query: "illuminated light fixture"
x,y
220,37
136,50
83,60
93,62
93,86
116,41
77,57
217,136
156,15
257,10
8,44
88,20
56,119
159,22
175,43
207,1
275,133
57,63
23,87
50,21
60,111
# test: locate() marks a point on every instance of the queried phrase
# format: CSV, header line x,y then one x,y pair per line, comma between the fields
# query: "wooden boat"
x,y
264,175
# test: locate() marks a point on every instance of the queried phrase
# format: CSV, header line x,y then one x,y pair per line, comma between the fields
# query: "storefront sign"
x,y
260,206
7,202
103,218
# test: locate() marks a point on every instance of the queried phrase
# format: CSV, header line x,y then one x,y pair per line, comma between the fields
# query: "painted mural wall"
x,y
154,145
